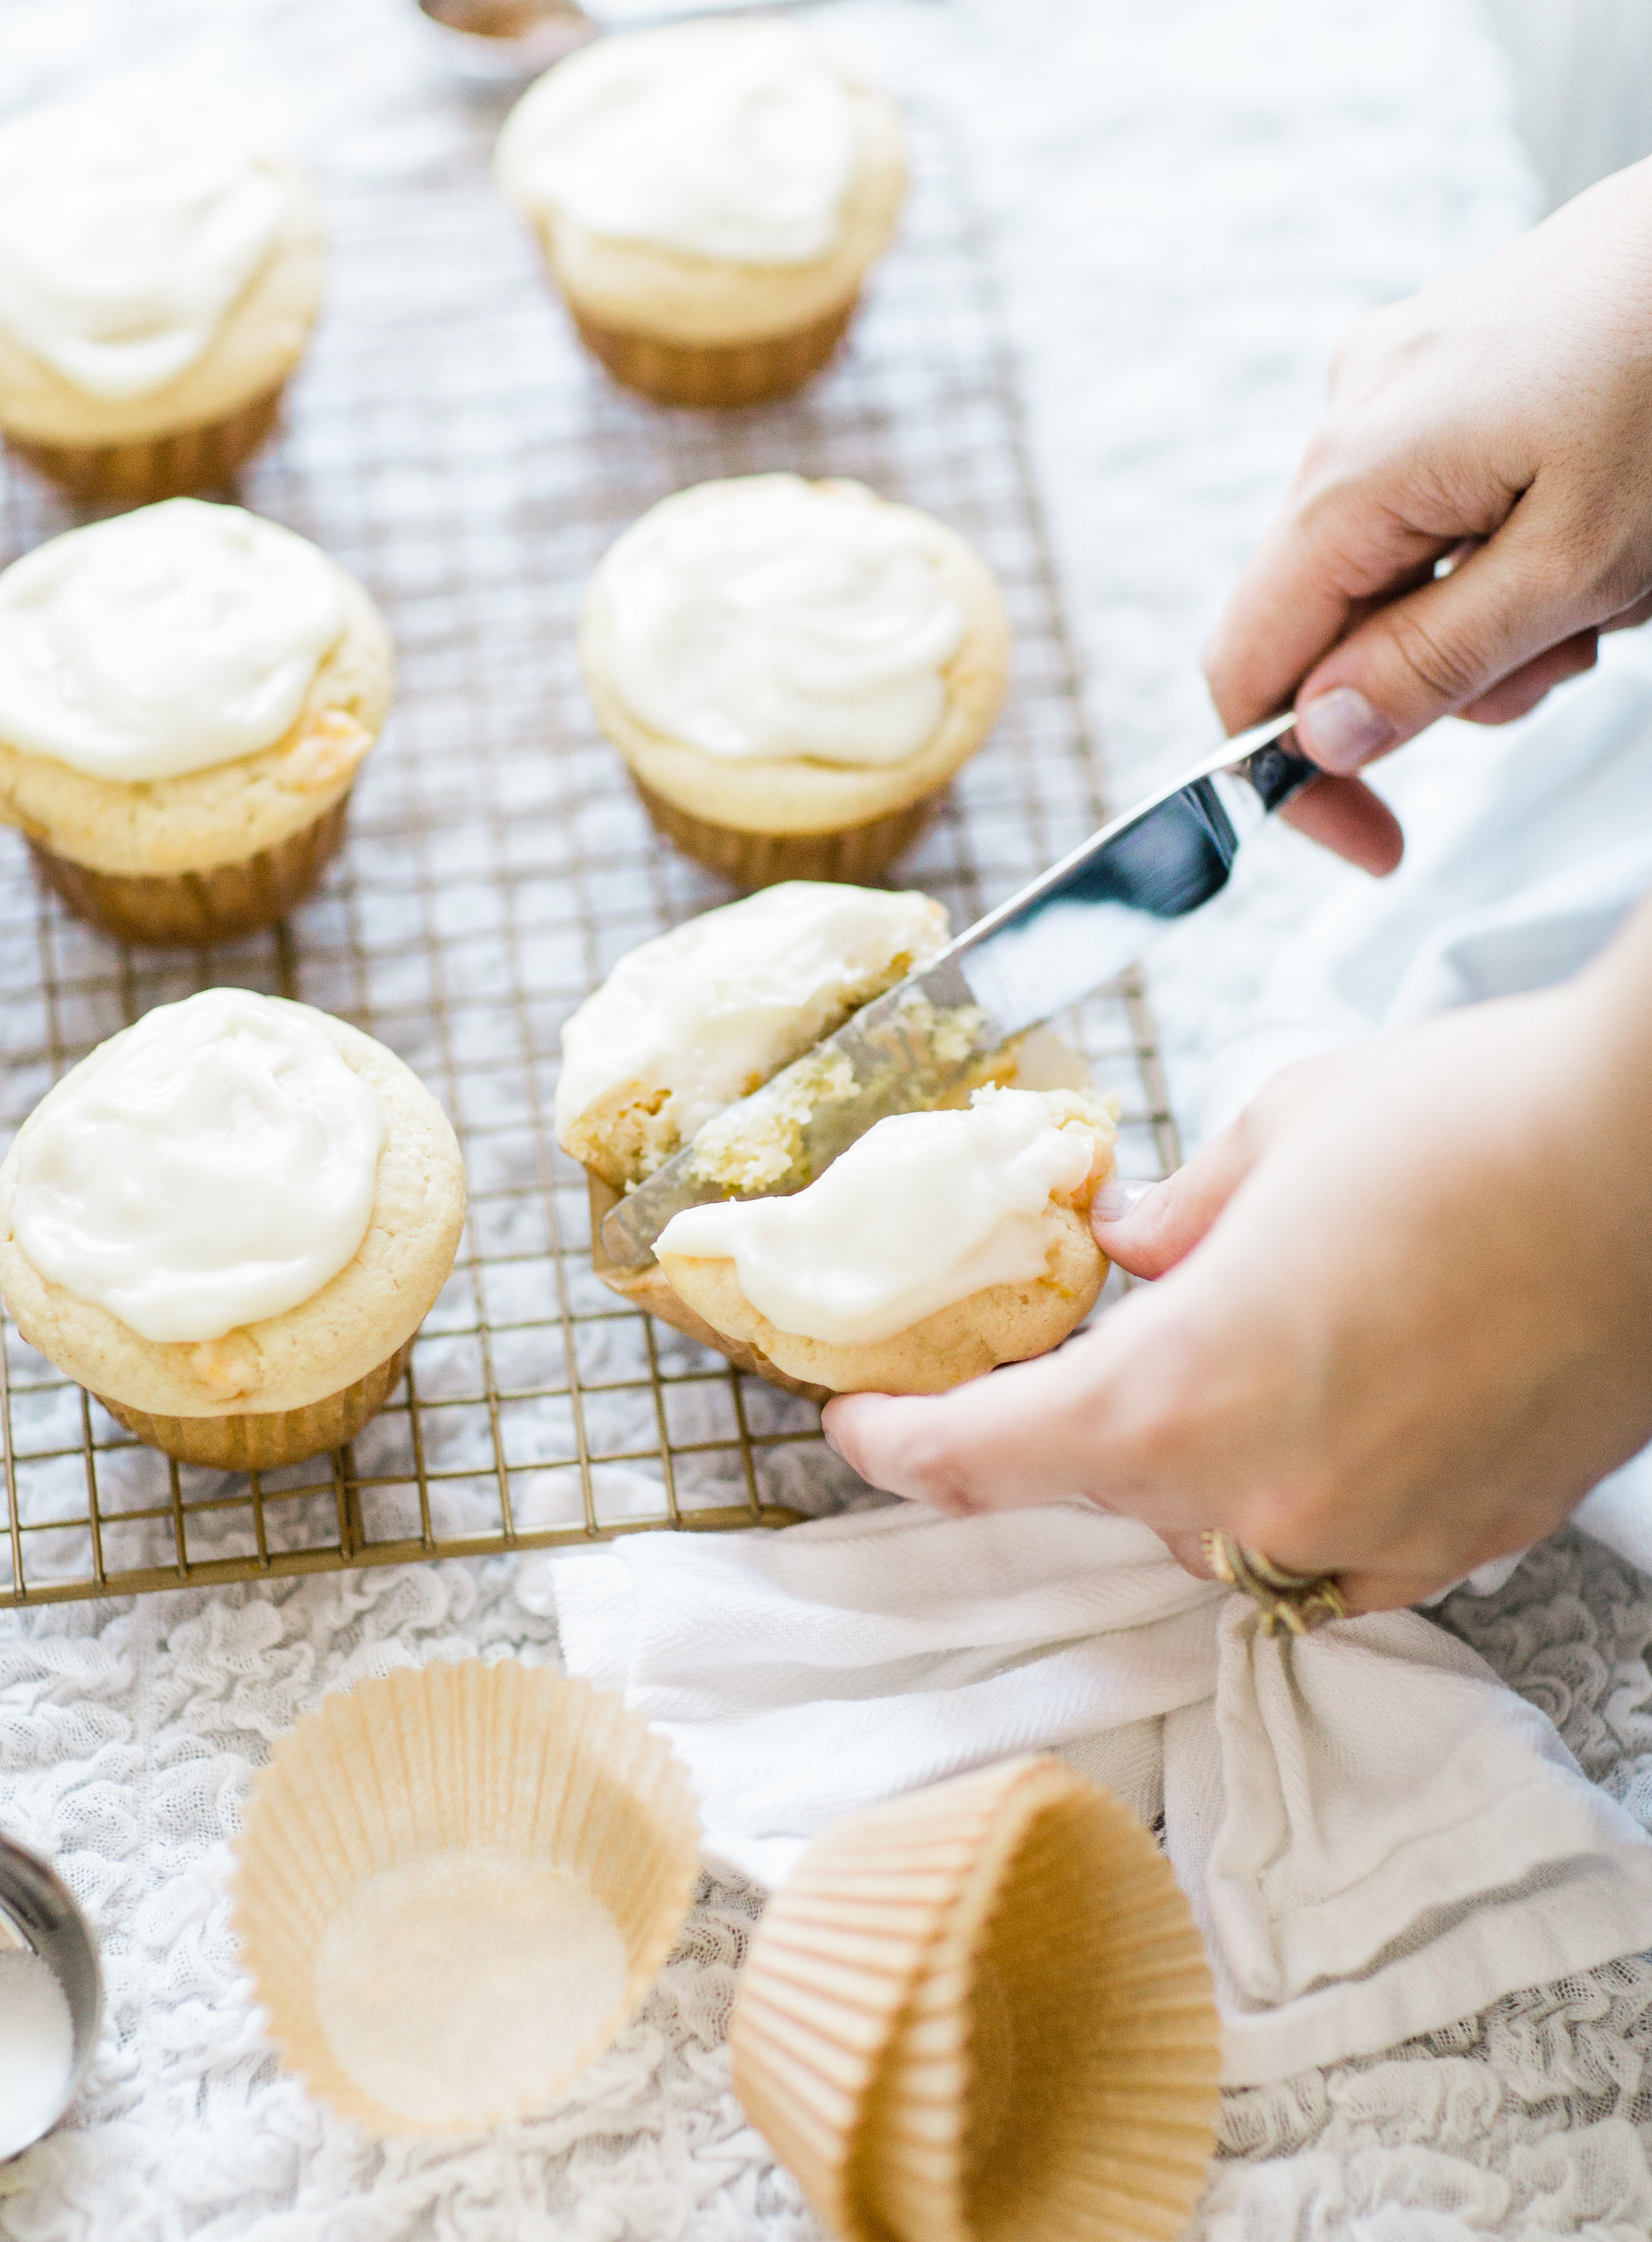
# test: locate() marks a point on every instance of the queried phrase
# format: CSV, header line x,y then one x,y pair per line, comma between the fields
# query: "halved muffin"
x,y
936,1247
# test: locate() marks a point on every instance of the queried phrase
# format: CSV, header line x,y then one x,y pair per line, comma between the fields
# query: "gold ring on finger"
x,y
1296,1602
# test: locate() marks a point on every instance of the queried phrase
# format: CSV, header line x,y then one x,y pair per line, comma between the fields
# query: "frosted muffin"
x,y
696,1019
186,694
709,198
937,1246
159,275
228,1222
689,1025
793,672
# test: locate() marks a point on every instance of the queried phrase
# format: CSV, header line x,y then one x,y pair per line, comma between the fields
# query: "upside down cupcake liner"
x,y
983,2013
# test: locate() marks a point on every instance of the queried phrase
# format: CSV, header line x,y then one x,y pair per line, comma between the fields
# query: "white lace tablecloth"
x,y
1190,197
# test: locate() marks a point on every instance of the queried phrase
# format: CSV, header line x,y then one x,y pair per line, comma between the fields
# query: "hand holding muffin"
x,y
159,276
793,671
186,694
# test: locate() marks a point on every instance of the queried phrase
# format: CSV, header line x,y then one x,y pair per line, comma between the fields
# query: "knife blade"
x,y
1077,926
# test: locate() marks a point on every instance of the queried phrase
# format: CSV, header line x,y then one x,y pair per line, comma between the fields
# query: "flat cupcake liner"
x,y
138,472
982,2013
454,1887
194,909
858,854
265,1439
649,1289
716,376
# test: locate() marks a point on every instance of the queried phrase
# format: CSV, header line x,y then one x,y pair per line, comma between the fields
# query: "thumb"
x,y
1447,645
1148,1230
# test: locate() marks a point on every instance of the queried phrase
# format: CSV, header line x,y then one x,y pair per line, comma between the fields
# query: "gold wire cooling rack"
x,y
447,442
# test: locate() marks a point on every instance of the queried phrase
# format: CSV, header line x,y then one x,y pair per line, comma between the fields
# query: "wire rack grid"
x,y
449,443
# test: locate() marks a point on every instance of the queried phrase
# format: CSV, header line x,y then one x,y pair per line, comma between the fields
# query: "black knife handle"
x,y
1277,772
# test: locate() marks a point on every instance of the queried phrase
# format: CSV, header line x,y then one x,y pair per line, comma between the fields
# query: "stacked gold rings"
x,y
1296,1602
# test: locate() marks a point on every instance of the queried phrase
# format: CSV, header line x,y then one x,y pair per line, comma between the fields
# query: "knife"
x,y
1079,925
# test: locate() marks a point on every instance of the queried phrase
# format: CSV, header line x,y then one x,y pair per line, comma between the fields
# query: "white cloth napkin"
x,y
1376,1835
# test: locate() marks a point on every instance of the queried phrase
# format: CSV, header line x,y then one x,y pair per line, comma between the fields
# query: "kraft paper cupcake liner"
x,y
194,910
263,1440
716,376
174,465
857,854
649,1289
454,1887
982,2014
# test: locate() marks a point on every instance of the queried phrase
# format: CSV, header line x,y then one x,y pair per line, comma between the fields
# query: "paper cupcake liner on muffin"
x,y
263,1440
983,2012
141,471
454,1886
854,854
194,909
716,376
649,1289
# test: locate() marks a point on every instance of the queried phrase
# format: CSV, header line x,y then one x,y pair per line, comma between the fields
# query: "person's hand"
x,y
1407,1321
1504,415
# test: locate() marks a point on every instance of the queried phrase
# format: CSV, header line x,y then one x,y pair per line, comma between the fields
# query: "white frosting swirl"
x,y
725,141
924,1209
767,619
210,1167
164,640
130,220
713,1008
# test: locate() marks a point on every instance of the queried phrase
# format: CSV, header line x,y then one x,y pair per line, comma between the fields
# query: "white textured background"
x,y
1189,197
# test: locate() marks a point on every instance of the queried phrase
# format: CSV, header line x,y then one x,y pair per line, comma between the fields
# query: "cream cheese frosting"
x,y
130,220
723,141
212,1167
167,640
924,1209
767,619
713,1008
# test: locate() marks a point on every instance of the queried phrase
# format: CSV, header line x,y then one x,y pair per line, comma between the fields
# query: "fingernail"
x,y
1341,729
826,1435
1116,1199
